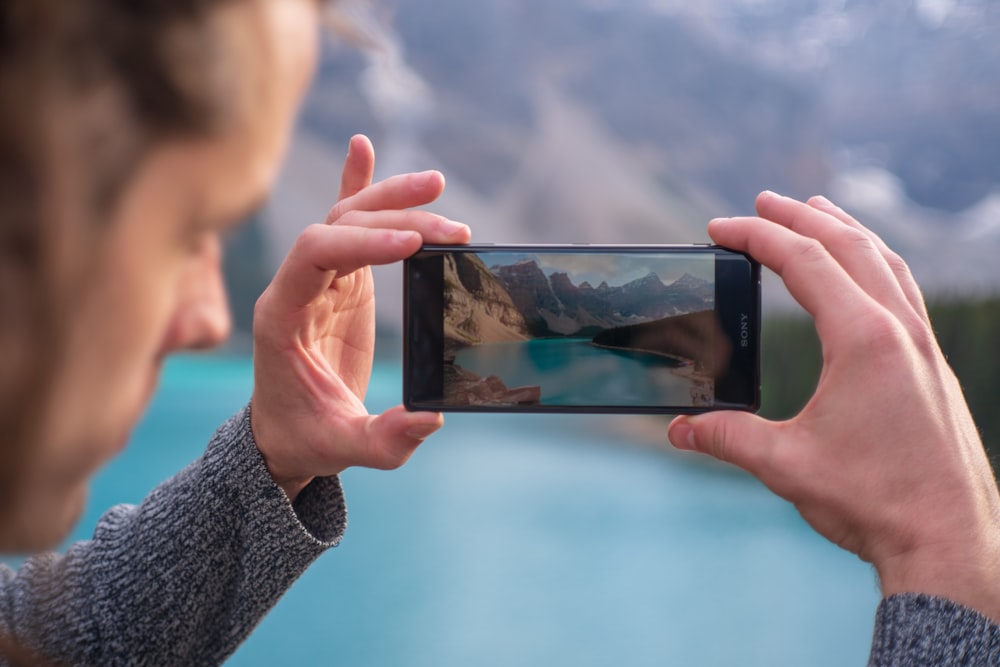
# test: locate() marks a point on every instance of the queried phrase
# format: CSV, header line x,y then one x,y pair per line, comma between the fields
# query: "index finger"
x,y
322,253
895,262
851,247
813,277
394,193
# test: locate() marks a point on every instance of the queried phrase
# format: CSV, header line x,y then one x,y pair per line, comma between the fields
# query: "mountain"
x,y
637,121
697,287
476,306
553,305
531,292
518,301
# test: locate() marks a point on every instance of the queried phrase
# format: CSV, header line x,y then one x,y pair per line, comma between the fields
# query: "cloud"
x,y
613,268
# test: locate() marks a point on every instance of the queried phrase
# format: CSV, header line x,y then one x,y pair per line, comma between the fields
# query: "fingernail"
x,y
820,201
422,432
682,436
767,196
453,228
418,181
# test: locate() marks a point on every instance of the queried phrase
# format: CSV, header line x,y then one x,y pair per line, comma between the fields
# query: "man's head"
x,y
133,134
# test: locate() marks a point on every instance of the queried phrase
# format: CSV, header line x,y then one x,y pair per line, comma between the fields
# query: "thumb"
x,y
394,435
741,438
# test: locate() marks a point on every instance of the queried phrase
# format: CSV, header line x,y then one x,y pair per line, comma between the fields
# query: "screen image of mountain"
x,y
526,326
517,299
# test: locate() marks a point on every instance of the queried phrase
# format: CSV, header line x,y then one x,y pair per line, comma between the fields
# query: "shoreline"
x,y
687,368
621,348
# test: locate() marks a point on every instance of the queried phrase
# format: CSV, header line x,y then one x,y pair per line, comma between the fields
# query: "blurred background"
x,y
552,540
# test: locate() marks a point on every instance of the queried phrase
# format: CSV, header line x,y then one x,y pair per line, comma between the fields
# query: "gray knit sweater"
x,y
923,630
184,577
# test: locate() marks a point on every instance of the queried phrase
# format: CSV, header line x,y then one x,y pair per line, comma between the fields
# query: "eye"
x,y
198,238
215,231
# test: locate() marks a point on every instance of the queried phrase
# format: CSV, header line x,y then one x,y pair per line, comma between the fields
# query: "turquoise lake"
x,y
531,540
572,371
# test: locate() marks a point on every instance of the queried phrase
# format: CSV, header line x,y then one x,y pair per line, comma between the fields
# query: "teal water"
x,y
571,371
531,540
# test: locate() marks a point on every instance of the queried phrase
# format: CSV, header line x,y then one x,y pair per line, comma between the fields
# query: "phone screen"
x,y
667,329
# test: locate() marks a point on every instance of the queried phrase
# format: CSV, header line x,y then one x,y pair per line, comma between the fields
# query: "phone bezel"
x,y
423,324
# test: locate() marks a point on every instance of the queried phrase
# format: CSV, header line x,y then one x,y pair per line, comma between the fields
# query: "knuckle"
x,y
723,442
340,211
880,333
310,235
718,442
858,240
308,243
896,263
879,324
852,242
923,338
810,250
336,212
807,254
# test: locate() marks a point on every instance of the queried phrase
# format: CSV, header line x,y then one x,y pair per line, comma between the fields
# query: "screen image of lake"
x,y
574,372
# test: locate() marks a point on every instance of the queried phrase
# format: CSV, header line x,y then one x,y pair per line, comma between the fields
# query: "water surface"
x,y
531,540
572,371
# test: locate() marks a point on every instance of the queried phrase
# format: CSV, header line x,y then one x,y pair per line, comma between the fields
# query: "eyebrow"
x,y
231,222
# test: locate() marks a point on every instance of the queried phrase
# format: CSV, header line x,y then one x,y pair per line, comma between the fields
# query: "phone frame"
x,y
739,317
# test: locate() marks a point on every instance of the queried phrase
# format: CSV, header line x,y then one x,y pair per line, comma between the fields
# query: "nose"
x,y
202,319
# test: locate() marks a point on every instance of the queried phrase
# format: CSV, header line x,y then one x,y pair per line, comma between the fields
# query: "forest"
x,y
968,330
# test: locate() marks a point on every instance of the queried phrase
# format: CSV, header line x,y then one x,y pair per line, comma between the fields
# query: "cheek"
x,y
117,342
144,309
102,389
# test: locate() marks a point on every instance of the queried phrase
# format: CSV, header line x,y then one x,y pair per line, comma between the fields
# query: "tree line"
x,y
968,329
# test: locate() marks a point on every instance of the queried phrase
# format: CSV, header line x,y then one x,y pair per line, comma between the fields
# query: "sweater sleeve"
x,y
915,629
183,578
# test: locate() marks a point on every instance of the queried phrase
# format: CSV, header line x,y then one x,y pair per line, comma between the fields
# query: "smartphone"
x,y
581,328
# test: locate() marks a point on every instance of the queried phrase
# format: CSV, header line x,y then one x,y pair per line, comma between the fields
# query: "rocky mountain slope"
x,y
518,301
553,305
477,308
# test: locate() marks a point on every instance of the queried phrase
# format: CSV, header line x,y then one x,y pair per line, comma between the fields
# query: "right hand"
x,y
885,459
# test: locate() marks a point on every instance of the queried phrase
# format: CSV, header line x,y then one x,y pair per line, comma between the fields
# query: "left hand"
x,y
314,330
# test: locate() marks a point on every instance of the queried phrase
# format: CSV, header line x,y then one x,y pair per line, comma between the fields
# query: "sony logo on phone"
x,y
744,330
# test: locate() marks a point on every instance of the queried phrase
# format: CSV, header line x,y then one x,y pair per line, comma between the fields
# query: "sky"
x,y
614,269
